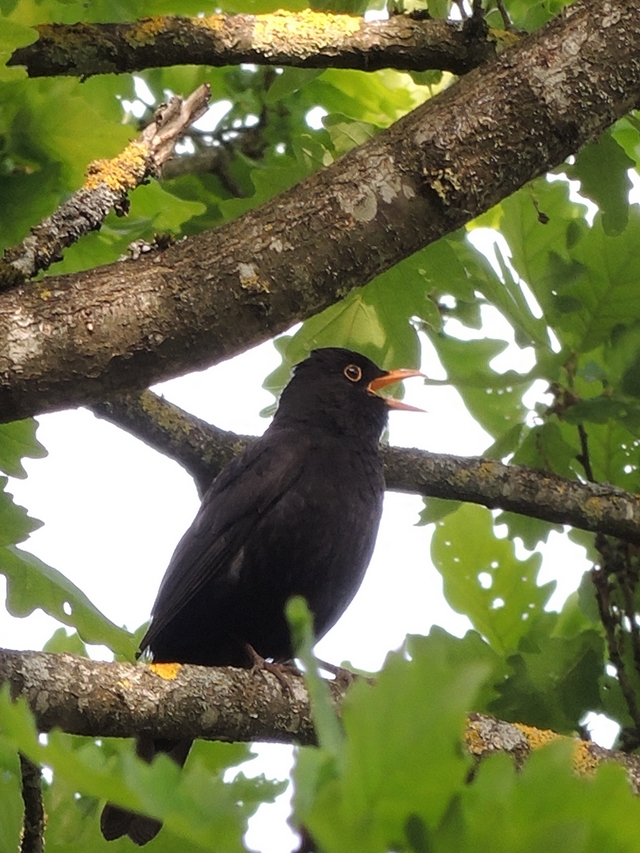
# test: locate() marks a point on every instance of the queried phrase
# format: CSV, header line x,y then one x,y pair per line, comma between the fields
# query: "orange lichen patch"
x,y
168,671
122,173
584,761
146,30
503,38
594,507
211,22
302,31
537,738
473,738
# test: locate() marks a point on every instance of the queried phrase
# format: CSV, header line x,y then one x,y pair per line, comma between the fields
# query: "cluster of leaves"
x,y
395,776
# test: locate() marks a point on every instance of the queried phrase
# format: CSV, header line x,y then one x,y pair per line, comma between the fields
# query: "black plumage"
x,y
296,513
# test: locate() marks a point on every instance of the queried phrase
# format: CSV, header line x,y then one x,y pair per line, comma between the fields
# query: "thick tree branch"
x,y
129,324
106,187
85,697
204,450
306,39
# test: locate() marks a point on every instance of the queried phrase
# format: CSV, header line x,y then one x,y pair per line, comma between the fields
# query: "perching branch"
x,y
204,450
305,39
105,189
129,324
86,697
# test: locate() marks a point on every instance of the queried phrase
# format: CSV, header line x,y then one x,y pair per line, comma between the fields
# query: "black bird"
x,y
296,513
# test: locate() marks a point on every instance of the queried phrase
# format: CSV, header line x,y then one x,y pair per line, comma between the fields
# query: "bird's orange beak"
x,y
389,379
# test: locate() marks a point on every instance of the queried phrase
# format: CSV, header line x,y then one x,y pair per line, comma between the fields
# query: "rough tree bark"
x,y
86,697
306,39
203,450
76,338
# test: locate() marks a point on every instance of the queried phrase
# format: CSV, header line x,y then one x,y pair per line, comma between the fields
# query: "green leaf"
x,y
15,523
485,580
31,584
601,167
346,133
17,440
435,509
325,720
549,447
402,755
532,531
195,805
555,680
545,804
494,399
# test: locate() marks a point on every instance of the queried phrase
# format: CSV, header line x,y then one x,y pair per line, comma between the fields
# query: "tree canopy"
x,y
351,164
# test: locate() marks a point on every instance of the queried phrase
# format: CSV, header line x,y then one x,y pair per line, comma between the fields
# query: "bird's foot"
x,y
343,676
284,672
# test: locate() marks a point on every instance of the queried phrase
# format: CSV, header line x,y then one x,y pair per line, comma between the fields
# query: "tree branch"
x,y
96,699
132,323
106,188
203,450
34,820
306,39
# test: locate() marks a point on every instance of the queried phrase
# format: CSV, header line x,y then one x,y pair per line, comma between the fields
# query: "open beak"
x,y
389,379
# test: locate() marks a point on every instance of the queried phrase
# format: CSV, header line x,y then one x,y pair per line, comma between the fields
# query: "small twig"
x,y
34,818
504,14
463,11
628,583
105,189
584,458
611,619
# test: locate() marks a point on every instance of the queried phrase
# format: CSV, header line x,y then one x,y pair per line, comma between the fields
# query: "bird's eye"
x,y
353,372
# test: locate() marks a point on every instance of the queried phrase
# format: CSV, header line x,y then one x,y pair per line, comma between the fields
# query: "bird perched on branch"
x,y
296,513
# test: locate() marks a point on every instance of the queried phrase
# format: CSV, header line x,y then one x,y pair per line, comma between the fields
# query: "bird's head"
x,y
337,388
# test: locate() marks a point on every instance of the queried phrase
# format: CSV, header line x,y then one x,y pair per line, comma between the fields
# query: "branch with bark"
x,y
305,39
97,699
129,324
203,450
106,187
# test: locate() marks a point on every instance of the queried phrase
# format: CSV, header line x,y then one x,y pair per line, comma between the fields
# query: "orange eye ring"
x,y
353,373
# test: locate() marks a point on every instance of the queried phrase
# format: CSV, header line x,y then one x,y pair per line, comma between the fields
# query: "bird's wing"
x,y
244,491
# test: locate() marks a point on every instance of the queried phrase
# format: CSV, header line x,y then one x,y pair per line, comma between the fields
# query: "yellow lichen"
x,y
168,671
584,761
593,507
473,738
122,173
211,22
145,31
537,738
302,31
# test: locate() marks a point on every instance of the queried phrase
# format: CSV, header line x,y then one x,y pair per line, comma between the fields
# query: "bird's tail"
x,y
116,821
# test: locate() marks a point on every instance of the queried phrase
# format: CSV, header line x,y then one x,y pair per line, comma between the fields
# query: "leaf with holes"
x,y
32,584
485,580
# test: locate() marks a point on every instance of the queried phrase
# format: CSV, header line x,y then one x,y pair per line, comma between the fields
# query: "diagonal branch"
x,y
129,324
204,450
306,39
105,189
